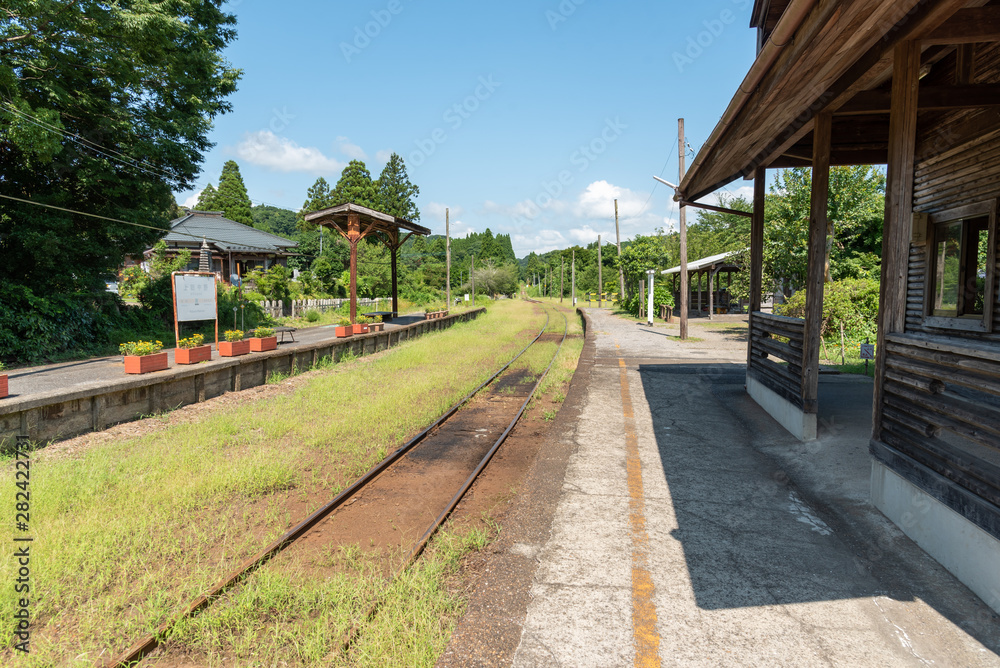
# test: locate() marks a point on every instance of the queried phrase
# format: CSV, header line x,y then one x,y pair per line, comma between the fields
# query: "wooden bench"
x,y
285,330
385,315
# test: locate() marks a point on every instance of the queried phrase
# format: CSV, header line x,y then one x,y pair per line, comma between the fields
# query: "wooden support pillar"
x,y
353,237
711,294
393,251
816,269
896,231
699,275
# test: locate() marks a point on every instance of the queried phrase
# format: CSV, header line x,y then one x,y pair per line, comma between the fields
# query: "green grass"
x,y
129,530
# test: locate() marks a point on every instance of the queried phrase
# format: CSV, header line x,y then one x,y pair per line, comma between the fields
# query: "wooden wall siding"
x,y
960,175
784,380
941,407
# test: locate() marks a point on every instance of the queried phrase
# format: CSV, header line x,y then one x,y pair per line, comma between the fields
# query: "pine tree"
x,y
232,198
395,192
206,200
355,186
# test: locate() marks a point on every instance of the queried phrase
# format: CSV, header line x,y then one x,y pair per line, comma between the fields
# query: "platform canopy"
x,y
355,222
837,57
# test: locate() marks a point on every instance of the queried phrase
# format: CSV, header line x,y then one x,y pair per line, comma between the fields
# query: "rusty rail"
x,y
149,643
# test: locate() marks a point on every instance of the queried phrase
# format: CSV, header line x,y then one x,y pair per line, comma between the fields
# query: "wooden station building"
x,y
354,223
914,85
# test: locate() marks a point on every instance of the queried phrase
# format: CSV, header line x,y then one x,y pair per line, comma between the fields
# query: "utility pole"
x,y
562,271
472,277
681,150
447,259
572,290
600,276
621,274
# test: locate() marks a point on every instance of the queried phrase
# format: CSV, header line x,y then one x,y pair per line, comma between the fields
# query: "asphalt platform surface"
x,y
673,522
98,371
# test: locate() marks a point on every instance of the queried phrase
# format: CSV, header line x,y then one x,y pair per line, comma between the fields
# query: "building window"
x,y
961,268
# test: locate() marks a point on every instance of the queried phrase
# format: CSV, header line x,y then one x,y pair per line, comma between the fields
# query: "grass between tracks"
x,y
130,530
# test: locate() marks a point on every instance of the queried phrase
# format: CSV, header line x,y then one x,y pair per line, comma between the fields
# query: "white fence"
x,y
297,307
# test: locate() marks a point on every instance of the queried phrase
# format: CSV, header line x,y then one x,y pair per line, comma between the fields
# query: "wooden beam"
x,y
967,26
719,209
898,209
965,64
931,98
819,201
757,245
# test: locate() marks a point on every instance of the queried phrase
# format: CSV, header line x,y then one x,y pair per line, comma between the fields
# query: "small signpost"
x,y
867,353
194,299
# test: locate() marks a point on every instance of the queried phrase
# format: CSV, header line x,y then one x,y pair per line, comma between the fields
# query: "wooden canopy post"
x,y
756,254
353,236
816,267
897,229
685,305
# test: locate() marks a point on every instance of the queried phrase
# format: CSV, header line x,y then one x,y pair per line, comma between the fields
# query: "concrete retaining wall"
x,y
54,415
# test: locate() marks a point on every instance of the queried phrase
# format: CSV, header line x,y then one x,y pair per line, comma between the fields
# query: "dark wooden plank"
x,y
931,98
967,26
969,348
973,413
820,234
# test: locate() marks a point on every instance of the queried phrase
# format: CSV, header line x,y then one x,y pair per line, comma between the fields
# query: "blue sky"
x,y
527,118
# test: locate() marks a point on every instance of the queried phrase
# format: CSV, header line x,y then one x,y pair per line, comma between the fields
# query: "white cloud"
x,y
192,201
588,235
352,151
280,154
598,202
383,156
434,211
541,241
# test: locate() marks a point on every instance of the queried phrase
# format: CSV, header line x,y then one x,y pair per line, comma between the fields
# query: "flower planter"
x,y
262,345
193,355
360,328
376,326
343,331
3,385
145,363
234,348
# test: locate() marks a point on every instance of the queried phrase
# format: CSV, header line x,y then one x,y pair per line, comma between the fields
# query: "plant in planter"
x,y
192,350
234,345
3,381
143,356
263,339
344,329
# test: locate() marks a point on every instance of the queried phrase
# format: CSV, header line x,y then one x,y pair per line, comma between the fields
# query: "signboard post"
x,y
194,299
867,353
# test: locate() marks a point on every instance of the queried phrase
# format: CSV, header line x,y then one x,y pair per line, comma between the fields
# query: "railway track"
x,y
455,439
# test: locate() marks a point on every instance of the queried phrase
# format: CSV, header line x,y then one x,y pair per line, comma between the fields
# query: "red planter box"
x,y
234,348
3,386
145,363
344,331
360,328
193,355
262,345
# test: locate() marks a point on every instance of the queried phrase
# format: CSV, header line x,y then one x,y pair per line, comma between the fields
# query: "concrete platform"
x,y
687,527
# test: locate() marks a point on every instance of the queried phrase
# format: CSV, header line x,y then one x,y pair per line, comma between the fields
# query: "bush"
x,y
312,315
852,302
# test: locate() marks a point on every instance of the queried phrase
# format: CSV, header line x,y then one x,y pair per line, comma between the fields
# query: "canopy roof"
x,y
704,263
380,222
837,57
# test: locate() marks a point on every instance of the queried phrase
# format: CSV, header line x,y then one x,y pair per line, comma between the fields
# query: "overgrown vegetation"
x,y
135,527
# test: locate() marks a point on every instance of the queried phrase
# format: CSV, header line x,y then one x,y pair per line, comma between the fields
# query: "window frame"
x,y
937,221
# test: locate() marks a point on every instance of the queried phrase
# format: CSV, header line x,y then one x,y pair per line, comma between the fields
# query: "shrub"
x,y
312,315
233,335
852,302
192,341
263,332
140,347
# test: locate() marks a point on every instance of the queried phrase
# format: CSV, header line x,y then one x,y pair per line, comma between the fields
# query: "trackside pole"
x,y
649,302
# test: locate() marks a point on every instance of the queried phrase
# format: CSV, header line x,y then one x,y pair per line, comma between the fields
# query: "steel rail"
x,y
421,544
149,643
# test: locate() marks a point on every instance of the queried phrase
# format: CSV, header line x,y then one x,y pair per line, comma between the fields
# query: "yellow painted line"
x,y
646,638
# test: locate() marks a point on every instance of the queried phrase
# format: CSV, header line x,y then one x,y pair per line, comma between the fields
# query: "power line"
x,y
113,220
